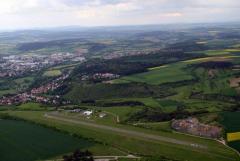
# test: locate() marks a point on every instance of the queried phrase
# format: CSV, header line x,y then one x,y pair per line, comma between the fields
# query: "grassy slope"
x,y
177,72
31,106
137,145
171,73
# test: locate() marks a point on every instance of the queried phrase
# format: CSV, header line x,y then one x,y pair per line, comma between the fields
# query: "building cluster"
x,y
82,112
87,112
105,76
118,54
17,65
51,86
194,127
100,76
36,94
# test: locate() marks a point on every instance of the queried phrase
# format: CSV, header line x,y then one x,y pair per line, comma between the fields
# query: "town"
x,y
18,65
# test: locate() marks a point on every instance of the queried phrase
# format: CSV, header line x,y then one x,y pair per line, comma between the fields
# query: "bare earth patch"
x,y
212,73
234,82
194,127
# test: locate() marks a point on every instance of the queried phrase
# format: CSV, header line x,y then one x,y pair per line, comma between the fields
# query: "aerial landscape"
x,y
119,80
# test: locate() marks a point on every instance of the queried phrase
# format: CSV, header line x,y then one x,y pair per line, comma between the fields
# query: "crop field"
x,y
31,106
135,144
101,91
11,86
9,91
24,79
52,73
233,136
67,66
24,141
172,72
231,122
160,75
222,52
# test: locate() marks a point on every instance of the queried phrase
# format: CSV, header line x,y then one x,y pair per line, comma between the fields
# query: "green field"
x,y
222,52
12,86
9,91
231,122
100,91
137,145
158,126
31,106
170,73
122,112
52,73
24,141
173,72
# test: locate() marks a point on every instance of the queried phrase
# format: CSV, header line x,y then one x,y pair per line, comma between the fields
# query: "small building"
x,y
102,115
88,113
76,110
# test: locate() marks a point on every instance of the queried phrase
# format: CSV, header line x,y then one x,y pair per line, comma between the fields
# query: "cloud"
x,y
174,14
44,13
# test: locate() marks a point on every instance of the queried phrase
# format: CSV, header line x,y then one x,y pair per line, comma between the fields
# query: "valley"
x,y
151,94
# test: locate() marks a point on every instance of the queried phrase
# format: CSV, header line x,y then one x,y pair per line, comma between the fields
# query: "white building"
x,y
87,113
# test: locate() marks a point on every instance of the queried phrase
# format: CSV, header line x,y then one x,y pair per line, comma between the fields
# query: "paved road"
x,y
126,132
106,158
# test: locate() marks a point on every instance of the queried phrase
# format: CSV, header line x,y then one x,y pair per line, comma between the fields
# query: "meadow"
x,y
159,75
31,106
24,141
52,73
12,86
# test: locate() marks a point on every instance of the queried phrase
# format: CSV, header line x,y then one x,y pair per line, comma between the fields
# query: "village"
x,y
35,94
100,76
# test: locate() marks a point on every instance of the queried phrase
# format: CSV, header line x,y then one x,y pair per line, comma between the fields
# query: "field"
x,y
136,144
31,106
100,91
52,73
184,79
11,86
155,76
172,72
140,79
233,136
23,141
122,112
10,91
231,122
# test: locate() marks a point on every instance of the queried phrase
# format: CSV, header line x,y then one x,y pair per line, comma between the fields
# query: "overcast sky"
x,y
51,13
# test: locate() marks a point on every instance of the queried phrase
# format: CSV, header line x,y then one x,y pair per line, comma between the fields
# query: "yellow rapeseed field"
x,y
233,136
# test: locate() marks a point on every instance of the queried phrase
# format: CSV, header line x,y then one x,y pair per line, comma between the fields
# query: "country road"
x,y
106,158
126,131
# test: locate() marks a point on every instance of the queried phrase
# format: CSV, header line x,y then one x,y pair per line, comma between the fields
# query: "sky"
x,y
17,14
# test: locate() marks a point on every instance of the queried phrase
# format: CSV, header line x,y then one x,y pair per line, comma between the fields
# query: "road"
x,y
106,158
126,131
